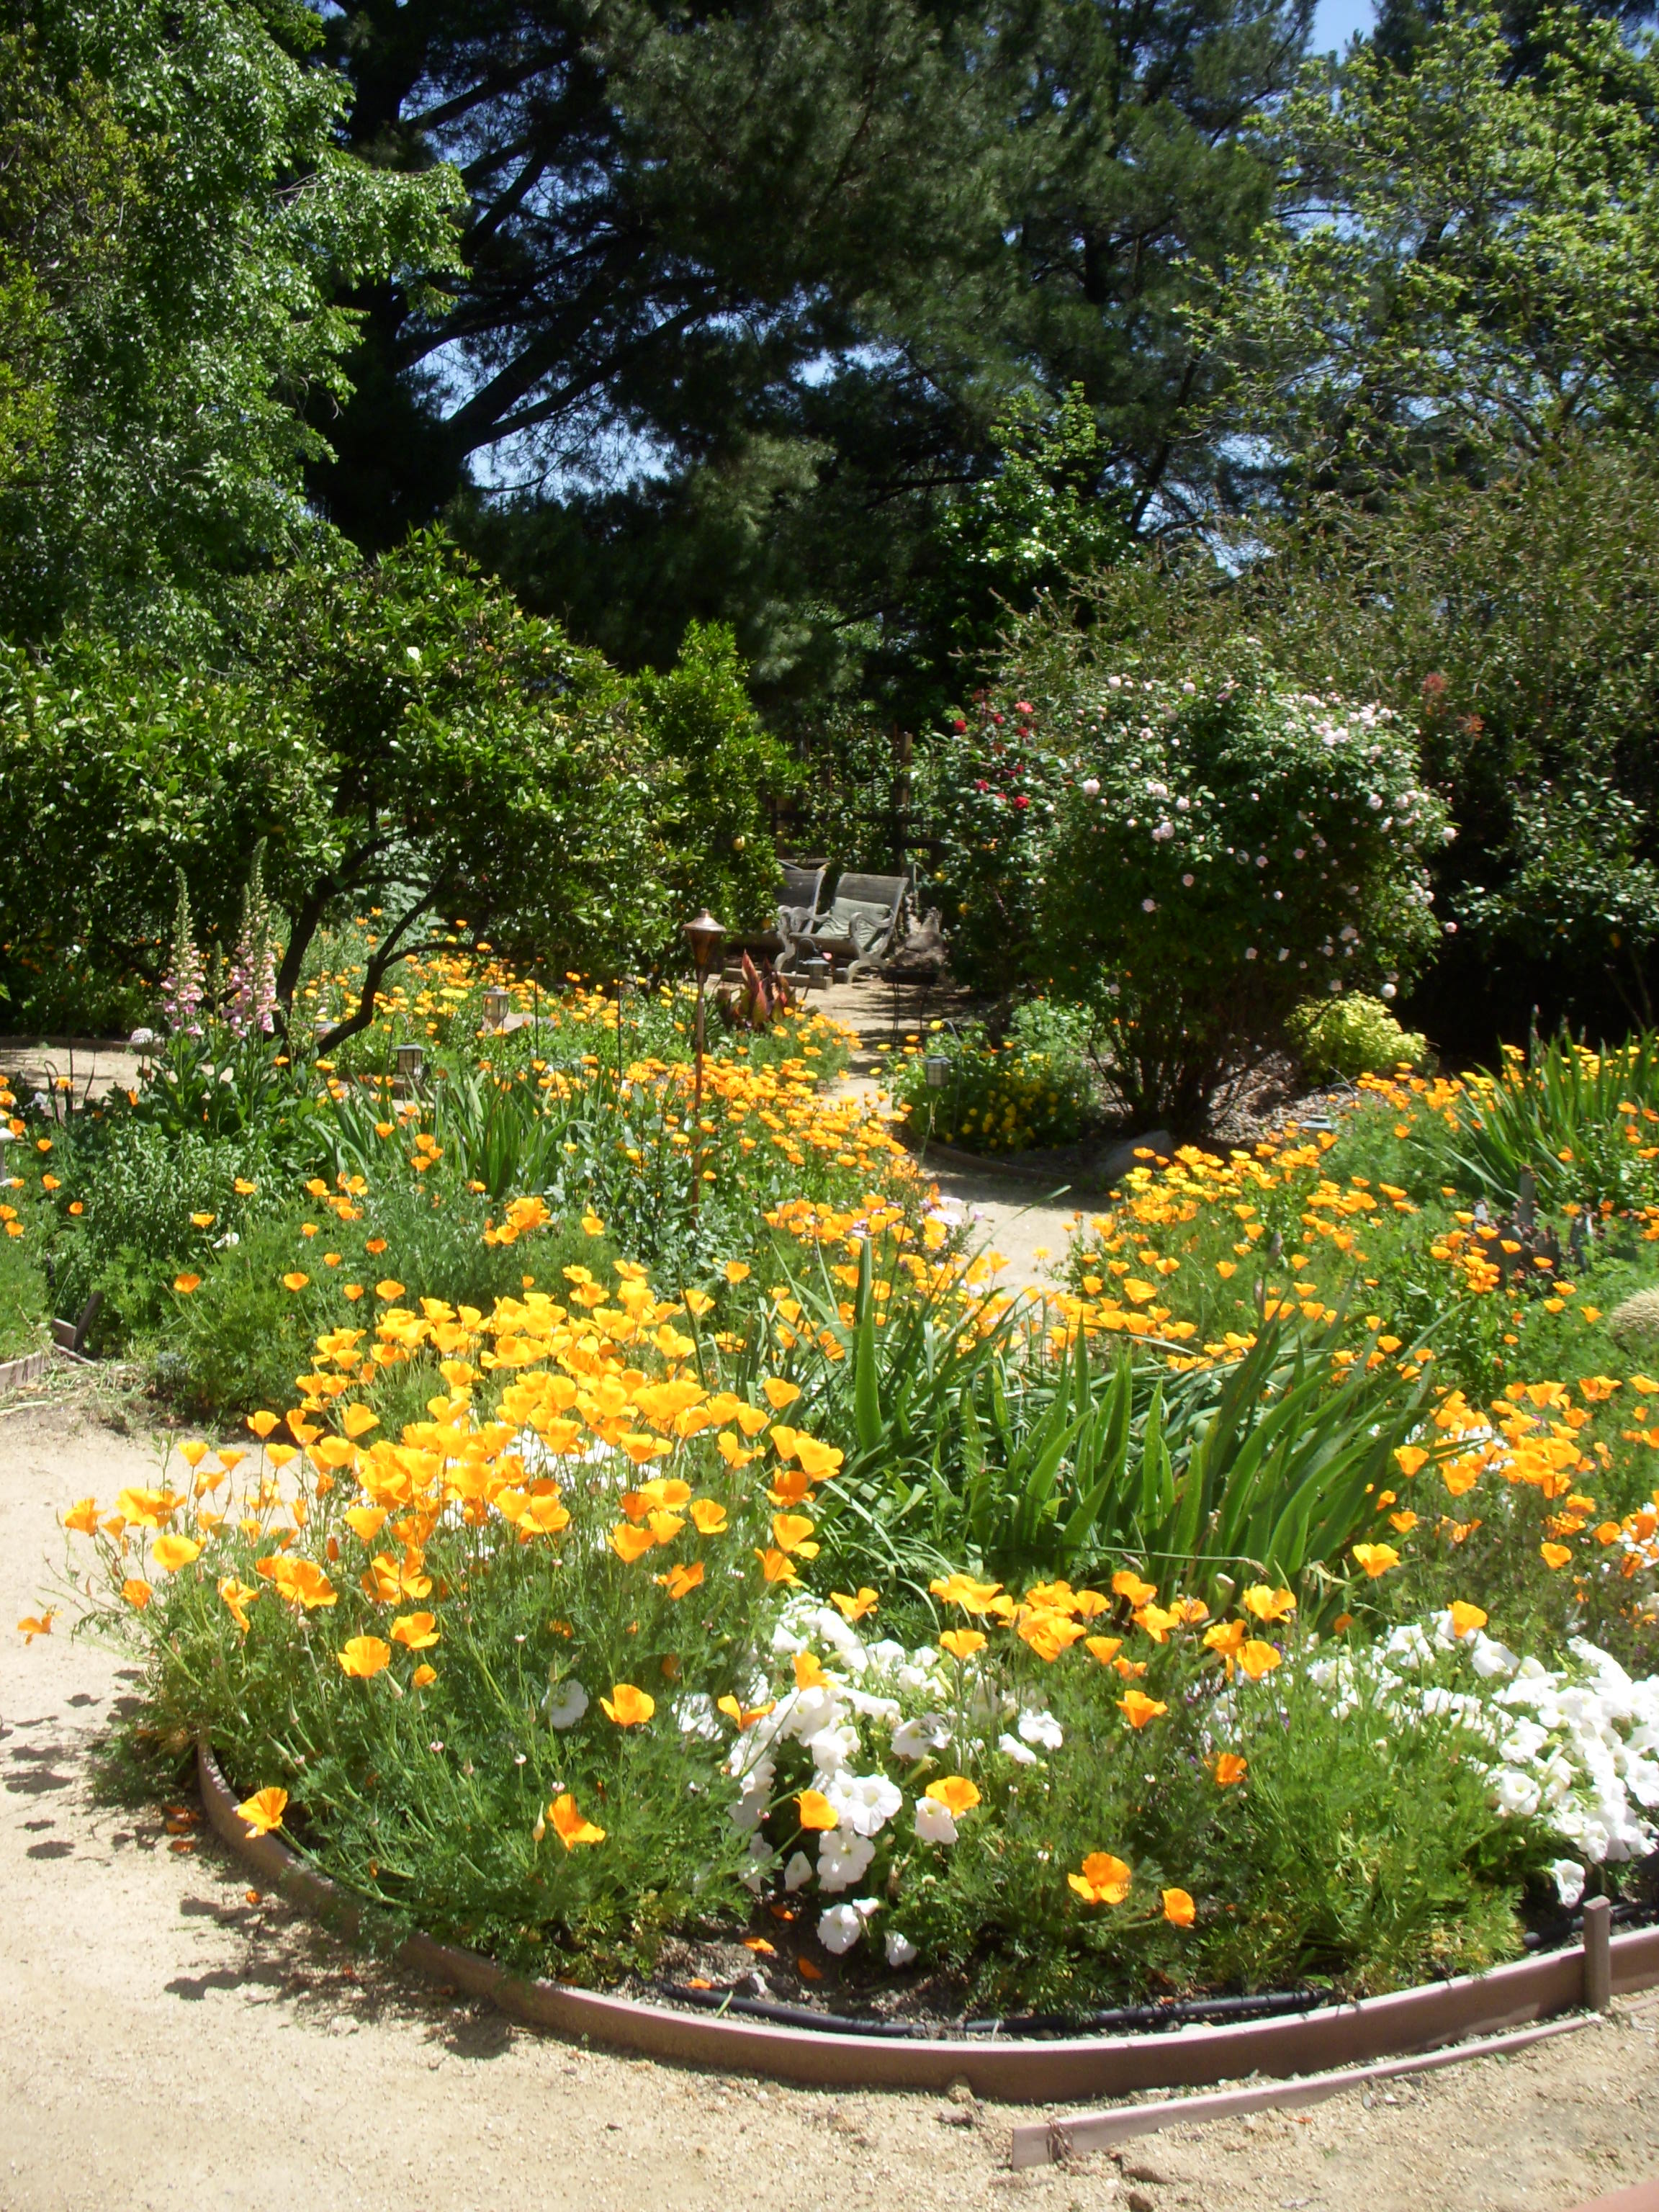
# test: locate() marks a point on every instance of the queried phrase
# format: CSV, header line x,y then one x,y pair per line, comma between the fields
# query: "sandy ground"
x,y
167,2039
1029,1228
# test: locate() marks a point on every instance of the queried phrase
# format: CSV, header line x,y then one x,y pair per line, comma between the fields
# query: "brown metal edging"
x,y
1040,2142
1063,2071
14,1373
1640,2197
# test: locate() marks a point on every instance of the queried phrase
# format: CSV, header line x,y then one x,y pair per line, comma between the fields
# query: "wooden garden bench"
x,y
860,926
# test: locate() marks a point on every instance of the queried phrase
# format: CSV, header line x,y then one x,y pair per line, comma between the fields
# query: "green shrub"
x,y
996,1098
140,1185
23,1298
1353,1036
1188,856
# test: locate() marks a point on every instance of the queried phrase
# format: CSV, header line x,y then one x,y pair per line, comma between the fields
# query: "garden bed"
x,y
1030,2071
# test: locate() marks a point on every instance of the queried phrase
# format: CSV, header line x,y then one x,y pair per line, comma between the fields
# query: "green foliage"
x,y
1352,1035
1187,856
1466,267
994,1098
23,1298
701,720
1573,1119
969,1444
1040,519
182,222
139,1183
116,771
476,768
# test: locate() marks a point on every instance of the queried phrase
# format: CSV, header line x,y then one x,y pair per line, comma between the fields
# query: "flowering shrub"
x,y
994,1098
1189,858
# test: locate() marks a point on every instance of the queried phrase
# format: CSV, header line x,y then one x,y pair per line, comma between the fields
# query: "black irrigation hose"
x,y
830,2023
1179,2014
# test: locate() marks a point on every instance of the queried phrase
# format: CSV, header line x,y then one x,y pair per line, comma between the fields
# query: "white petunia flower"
x,y
839,1929
900,1949
915,1739
934,1821
799,1872
1042,1728
1020,1753
565,1705
843,1859
864,1802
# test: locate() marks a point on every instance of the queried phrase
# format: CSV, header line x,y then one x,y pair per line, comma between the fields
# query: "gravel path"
x,y
168,2039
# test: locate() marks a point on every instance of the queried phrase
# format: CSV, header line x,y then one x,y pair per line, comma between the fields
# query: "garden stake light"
x,y
705,936
496,1003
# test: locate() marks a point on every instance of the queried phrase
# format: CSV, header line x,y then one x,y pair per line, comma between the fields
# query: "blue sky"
x,y
1335,22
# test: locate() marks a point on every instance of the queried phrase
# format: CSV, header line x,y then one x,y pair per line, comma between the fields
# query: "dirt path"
x,y
166,2040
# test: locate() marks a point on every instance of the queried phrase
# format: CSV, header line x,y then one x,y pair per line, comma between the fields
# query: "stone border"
x,y
14,1373
1062,2071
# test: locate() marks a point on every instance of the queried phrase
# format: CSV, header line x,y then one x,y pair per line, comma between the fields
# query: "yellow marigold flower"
x,y
1138,1709
364,1657
264,1811
1268,1604
418,1631
1257,1658
962,1643
569,1827
815,1811
1229,1769
171,1553
1179,1909
1104,1880
629,1707
1376,1558
775,1567
955,1792
293,1281
1555,1555
855,1606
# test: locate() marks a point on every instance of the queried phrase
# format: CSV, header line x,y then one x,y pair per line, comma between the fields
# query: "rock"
x,y
1138,2201
960,2093
1142,2170
956,2116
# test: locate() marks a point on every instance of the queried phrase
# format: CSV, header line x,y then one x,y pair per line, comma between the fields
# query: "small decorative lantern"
x,y
936,1070
412,1065
497,1006
705,936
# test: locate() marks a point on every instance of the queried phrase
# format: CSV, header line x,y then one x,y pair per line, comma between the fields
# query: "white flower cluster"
x,y
877,1703
1577,1747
